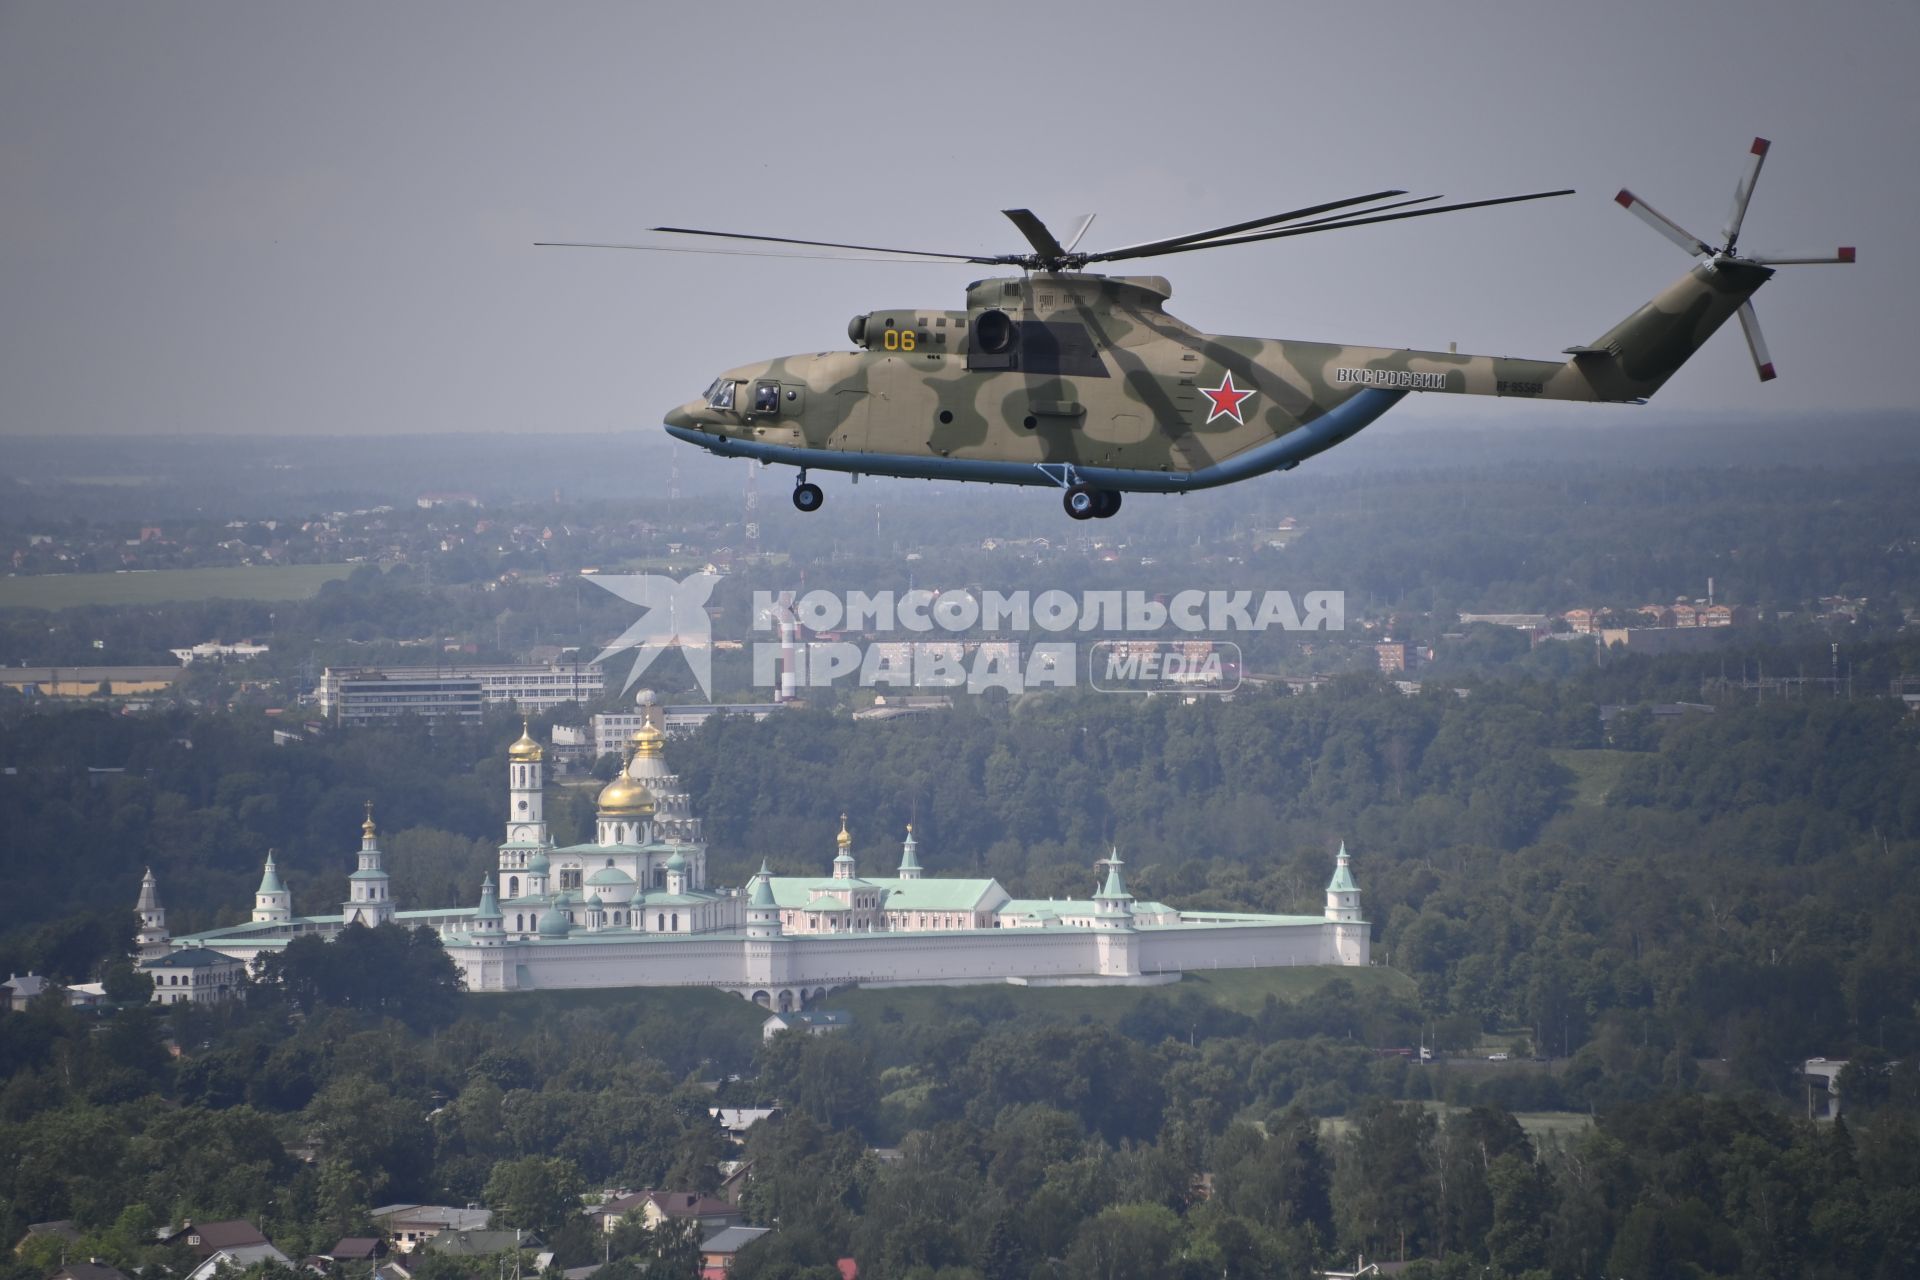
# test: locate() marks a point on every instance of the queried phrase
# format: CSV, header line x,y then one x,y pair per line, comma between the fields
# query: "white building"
x,y
633,907
364,695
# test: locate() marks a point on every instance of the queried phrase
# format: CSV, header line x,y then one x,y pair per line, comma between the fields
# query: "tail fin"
x,y
1634,359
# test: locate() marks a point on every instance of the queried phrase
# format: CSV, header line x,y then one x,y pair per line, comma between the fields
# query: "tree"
x,y
537,1193
1126,1242
1386,1184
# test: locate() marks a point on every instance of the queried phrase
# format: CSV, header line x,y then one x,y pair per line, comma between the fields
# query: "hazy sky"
x,y
320,218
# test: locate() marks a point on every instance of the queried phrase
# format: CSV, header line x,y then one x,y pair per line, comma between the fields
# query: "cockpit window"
x,y
766,398
720,394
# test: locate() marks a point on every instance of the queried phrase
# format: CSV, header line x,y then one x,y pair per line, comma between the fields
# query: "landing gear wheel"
x,y
1082,502
807,496
1109,504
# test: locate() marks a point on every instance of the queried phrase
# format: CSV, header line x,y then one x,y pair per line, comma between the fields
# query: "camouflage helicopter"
x,y
1084,383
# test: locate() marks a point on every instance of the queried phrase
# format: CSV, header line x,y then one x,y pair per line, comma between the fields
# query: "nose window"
x,y
720,394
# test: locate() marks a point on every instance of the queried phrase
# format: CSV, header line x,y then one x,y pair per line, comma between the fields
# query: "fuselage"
x,y
1056,379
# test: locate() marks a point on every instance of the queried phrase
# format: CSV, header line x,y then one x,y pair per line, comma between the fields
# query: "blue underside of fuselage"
x,y
1324,432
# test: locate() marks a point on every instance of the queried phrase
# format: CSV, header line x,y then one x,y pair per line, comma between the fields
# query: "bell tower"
x,y
369,893
526,791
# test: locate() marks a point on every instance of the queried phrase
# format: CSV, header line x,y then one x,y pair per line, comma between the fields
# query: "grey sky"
x,y
319,218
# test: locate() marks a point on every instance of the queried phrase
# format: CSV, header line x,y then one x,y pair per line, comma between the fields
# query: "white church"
x,y
634,909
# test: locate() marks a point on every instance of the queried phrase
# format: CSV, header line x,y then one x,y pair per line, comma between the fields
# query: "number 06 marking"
x,y
898,340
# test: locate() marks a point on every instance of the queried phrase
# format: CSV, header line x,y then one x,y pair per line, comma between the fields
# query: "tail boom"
x,y
1627,364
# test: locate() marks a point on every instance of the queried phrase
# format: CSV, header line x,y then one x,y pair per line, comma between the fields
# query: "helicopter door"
x,y
849,419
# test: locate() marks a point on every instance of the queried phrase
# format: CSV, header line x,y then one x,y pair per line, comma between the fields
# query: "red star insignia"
x,y
1226,399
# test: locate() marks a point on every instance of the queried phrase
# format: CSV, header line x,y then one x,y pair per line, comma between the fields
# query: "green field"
x,y
248,582
1595,772
1538,1124
1242,990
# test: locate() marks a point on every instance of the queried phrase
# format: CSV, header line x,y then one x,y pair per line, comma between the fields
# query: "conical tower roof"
x,y
489,904
762,888
1116,887
1342,881
909,852
270,878
149,893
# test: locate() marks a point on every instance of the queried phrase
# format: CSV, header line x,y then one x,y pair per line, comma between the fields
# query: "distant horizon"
x,y
1563,418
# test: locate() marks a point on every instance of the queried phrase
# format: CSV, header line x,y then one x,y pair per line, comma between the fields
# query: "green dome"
x,y
676,863
609,876
554,923
539,862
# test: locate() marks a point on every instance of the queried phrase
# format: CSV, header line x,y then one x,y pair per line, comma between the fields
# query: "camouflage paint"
x,y
1133,414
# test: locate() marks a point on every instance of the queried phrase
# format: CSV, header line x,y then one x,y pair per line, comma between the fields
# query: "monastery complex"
x,y
634,908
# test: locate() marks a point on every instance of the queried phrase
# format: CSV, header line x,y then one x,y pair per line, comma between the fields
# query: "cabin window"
x,y
720,394
766,397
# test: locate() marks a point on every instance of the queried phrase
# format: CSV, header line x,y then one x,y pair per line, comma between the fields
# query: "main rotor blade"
x,y
1147,248
904,259
1750,325
1843,254
1743,192
1660,222
1335,225
1074,239
825,244
1036,233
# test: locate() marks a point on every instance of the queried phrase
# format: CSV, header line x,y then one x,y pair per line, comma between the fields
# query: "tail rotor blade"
x,y
1660,222
1750,325
1744,192
1843,254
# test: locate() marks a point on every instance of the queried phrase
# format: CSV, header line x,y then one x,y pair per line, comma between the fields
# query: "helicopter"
x,y
1085,383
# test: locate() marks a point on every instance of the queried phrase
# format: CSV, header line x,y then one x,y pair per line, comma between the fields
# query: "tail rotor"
x,y
1715,256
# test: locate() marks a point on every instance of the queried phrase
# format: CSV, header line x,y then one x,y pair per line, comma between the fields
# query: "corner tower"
x,y
152,941
1349,938
272,904
1343,895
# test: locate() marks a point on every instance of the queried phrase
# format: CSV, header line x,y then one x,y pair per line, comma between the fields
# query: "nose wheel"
x,y
807,496
1084,502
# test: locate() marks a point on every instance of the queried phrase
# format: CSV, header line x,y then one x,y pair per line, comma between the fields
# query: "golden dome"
x,y
367,828
526,750
843,839
625,798
647,738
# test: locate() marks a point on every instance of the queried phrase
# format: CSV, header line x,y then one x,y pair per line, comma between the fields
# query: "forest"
x,y
1656,919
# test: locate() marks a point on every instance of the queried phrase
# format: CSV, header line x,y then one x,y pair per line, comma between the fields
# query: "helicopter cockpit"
x,y
720,394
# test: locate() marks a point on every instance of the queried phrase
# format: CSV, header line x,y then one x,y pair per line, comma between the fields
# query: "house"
x,y
737,1120
209,1238
91,1270
20,989
410,1225
59,1228
734,1176
238,1258
816,1023
480,1244
358,1251
656,1207
717,1251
